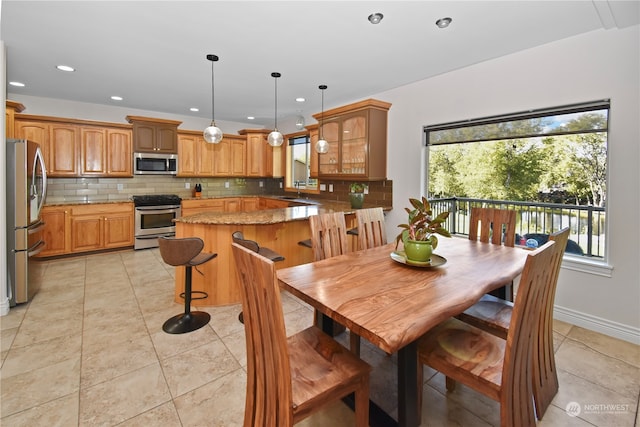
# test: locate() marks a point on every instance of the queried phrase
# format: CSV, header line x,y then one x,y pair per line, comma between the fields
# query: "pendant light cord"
x,y
322,88
213,109
275,126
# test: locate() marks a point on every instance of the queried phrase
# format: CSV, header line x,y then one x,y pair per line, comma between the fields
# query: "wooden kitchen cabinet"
x,y
269,203
58,141
101,226
106,152
229,156
357,137
233,204
56,232
259,153
195,206
196,157
11,108
250,204
151,135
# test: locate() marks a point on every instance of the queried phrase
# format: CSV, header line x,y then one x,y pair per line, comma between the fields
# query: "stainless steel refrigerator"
x,y
26,191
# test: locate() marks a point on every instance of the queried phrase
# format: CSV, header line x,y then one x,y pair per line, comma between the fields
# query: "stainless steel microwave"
x,y
155,164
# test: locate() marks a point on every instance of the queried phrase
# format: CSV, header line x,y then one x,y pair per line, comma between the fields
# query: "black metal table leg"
x,y
408,383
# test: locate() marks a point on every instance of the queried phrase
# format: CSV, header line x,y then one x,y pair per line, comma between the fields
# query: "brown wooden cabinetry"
x,y
357,137
250,204
259,153
11,108
152,135
229,156
195,206
59,143
105,152
101,226
196,157
79,147
56,233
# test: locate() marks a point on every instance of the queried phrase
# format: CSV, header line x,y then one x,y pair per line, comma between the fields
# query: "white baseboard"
x,y
597,324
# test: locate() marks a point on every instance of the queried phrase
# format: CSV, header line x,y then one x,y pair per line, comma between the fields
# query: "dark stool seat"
x,y
238,237
185,252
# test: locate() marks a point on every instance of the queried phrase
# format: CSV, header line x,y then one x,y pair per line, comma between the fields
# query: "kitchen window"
x,y
298,164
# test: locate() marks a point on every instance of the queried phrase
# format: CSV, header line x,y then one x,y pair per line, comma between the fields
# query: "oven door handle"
x,y
156,209
155,236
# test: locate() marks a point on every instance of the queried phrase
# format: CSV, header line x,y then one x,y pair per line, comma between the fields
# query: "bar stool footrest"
x,y
203,295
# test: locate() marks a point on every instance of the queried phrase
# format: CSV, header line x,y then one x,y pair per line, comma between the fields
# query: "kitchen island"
x,y
278,229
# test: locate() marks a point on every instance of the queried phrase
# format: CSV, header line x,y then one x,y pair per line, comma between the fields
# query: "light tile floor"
x,y
89,350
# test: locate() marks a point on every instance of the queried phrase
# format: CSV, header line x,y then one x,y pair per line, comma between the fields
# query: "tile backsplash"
x,y
73,190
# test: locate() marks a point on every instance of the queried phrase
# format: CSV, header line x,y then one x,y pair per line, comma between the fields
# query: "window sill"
x,y
585,265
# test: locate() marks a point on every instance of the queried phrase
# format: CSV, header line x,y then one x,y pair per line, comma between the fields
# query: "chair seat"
x,y
320,367
201,258
491,314
456,344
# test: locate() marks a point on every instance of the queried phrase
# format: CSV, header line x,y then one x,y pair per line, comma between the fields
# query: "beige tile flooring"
x,y
89,350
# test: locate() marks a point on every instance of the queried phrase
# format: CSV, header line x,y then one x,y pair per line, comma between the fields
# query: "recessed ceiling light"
x,y
443,22
375,18
300,99
194,109
116,98
16,84
65,68
250,118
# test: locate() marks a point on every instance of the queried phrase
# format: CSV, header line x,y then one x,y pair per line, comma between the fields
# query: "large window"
x,y
550,165
298,164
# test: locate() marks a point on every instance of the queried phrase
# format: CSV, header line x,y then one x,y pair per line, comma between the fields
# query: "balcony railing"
x,y
536,220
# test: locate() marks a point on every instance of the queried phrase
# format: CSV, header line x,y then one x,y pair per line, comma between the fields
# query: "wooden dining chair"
x,y
493,315
497,368
496,226
290,378
329,239
371,228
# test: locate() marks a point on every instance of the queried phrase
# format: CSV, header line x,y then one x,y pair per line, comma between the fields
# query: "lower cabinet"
x,y
84,228
56,233
101,226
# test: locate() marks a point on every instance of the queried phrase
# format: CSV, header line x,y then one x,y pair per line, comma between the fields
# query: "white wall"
x,y
597,65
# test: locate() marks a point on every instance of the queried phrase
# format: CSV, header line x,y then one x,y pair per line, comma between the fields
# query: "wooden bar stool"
x,y
185,252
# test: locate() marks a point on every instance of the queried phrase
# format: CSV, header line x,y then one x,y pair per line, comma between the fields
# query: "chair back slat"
x,y
268,371
545,378
328,235
490,225
516,395
371,228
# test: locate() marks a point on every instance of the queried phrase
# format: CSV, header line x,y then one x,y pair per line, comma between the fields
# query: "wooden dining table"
x,y
392,304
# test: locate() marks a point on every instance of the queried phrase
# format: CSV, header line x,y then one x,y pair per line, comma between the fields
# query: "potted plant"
x,y
356,194
419,234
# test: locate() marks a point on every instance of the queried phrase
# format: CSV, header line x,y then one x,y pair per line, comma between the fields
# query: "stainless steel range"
x,y
154,215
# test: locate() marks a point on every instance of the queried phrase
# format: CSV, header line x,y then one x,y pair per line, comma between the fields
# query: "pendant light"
x,y
275,138
322,146
212,134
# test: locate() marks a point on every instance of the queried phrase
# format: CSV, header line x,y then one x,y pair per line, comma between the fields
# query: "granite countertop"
x,y
271,216
85,202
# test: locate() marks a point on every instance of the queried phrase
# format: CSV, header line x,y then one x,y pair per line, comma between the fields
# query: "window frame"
x,y
597,266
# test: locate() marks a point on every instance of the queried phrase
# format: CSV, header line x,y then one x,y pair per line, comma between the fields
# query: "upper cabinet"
x,y
195,156
230,156
11,108
79,147
357,137
105,152
152,135
259,153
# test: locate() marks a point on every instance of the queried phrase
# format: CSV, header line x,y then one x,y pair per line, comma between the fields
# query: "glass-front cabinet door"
x,y
357,137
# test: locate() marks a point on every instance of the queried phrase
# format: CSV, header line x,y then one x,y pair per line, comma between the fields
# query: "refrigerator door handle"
x,y
40,160
35,249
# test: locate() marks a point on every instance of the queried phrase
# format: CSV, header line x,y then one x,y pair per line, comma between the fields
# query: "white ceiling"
x,y
152,53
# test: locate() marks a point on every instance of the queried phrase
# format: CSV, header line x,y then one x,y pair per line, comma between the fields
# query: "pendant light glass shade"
x,y
275,138
212,134
322,146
